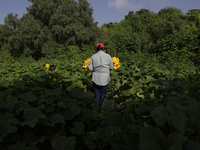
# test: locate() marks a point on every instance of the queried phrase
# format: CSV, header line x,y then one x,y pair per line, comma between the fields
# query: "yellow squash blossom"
x,y
85,65
47,65
114,59
116,63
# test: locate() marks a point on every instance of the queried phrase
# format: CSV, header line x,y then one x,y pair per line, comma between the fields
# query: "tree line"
x,y
169,34
69,25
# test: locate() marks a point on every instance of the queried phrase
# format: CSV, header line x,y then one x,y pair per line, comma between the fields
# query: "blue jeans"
x,y
100,93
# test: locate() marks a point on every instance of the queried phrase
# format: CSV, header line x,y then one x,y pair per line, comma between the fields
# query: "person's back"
x,y
100,66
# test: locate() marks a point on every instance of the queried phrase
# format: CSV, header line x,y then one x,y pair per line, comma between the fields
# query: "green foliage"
x,y
153,98
87,50
74,53
62,143
193,12
170,34
3,35
148,105
12,21
123,42
170,12
48,24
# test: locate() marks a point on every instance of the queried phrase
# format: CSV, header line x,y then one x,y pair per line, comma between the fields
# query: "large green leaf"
x,y
121,146
95,115
64,143
175,141
5,129
89,141
128,141
160,115
71,113
2,103
10,103
78,93
125,86
28,97
22,105
73,102
152,139
19,84
4,83
78,129
46,100
177,117
1,95
178,122
17,146
135,128
126,92
57,118
77,84
149,78
31,116
5,93
193,113
28,137
118,84
31,148
192,145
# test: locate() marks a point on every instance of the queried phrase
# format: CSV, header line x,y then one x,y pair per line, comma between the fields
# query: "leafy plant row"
x,y
148,106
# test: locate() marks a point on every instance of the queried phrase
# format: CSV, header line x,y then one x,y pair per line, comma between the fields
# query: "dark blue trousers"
x,y
100,93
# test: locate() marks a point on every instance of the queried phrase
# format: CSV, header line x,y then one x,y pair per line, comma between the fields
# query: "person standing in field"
x,y
100,66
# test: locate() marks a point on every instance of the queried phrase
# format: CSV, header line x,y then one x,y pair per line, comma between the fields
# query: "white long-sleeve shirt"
x,y
100,66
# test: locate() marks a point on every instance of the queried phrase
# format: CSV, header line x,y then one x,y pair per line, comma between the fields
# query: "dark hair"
x,y
106,50
99,48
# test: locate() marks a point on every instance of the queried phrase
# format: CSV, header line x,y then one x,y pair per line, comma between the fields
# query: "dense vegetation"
x,y
153,100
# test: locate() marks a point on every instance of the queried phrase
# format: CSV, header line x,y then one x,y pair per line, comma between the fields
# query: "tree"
x,y
3,35
9,32
51,22
130,14
140,21
10,27
12,21
193,12
169,12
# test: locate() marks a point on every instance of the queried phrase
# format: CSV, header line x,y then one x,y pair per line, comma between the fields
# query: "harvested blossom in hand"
x,y
114,59
85,65
116,63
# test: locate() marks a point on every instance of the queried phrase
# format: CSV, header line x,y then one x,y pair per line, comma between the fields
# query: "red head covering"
x,y
99,44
